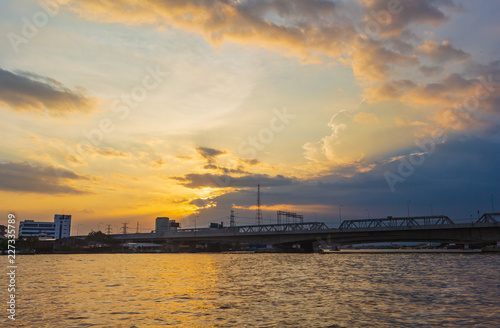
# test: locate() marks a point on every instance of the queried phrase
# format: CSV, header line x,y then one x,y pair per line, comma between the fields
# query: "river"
x,y
256,290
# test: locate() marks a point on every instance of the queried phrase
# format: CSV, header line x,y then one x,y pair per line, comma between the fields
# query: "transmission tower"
x,y
231,219
124,228
137,229
108,229
259,212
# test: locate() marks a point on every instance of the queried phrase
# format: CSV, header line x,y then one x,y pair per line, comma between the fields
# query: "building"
x,y
164,225
42,230
60,228
62,225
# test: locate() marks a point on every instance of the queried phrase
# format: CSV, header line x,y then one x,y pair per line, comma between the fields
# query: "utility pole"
x,y
231,219
108,229
259,212
124,228
137,229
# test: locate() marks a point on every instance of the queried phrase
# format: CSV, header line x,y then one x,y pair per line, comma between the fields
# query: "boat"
x,y
328,250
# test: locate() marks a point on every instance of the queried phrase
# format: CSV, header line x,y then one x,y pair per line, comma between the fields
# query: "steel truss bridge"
x,y
403,229
396,222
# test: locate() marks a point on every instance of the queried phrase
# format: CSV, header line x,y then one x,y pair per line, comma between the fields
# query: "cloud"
x,y
284,25
25,91
250,162
366,118
210,153
350,144
110,152
455,92
35,178
406,13
443,52
458,179
389,90
157,163
184,158
313,31
430,70
375,62
195,180
226,170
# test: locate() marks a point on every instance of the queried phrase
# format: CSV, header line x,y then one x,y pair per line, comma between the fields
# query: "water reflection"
x,y
258,290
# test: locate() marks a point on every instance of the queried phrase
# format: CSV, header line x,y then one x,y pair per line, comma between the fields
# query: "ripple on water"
x,y
259,290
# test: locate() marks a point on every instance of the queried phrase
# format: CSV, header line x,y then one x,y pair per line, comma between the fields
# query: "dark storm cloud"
x,y
25,177
25,91
195,180
457,179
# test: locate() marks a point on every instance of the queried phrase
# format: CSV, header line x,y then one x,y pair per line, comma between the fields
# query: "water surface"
x,y
257,290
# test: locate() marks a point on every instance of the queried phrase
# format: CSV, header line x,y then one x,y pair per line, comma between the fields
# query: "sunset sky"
x,y
121,111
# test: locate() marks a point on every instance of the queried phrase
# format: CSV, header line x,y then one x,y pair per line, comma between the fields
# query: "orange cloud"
x,y
365,118
442,52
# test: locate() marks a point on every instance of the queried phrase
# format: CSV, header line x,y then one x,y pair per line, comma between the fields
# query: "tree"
x,y
98,236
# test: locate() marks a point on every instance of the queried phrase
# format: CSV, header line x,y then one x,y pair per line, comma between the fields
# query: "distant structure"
x,y
232,222
62,225
289,217
215,225
60,228
124,228
164,225
3,229
108,229
259,212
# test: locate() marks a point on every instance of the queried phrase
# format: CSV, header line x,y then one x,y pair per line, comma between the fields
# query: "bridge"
x,y
310,234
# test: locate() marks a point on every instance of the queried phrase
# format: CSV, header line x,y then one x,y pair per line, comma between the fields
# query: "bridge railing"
x,y
287,227
489,218
396,222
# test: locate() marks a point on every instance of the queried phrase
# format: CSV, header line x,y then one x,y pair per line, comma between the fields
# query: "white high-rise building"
x,y
63,225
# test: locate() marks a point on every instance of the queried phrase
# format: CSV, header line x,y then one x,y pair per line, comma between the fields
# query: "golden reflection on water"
x,y
257,290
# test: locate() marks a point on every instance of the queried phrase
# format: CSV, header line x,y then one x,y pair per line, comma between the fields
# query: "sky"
x,y
123,111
